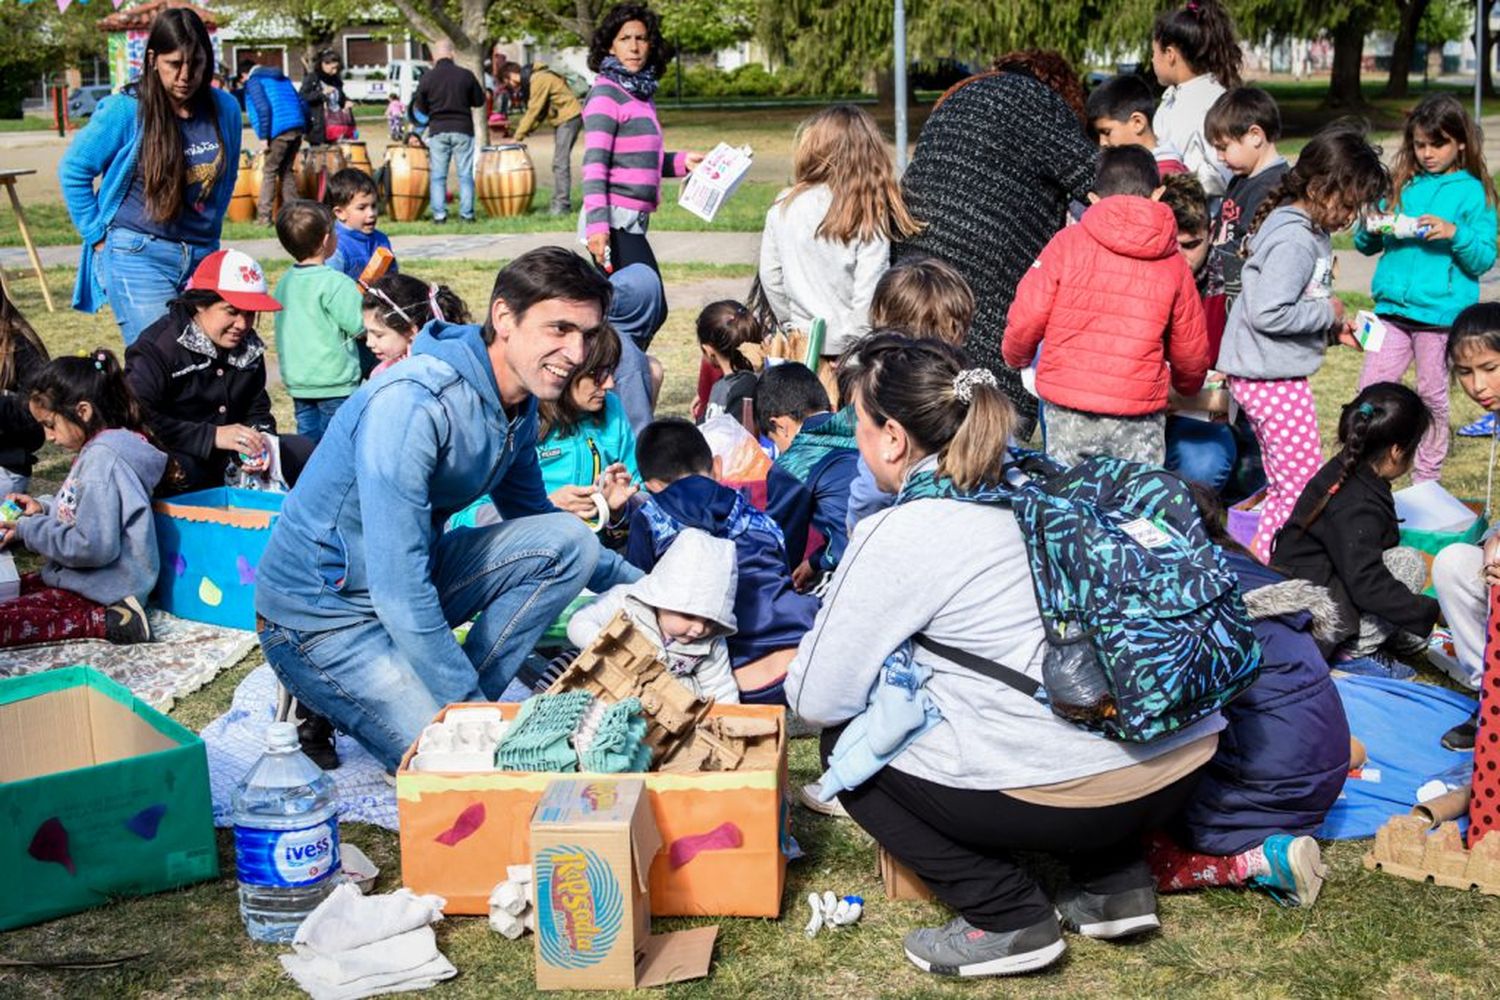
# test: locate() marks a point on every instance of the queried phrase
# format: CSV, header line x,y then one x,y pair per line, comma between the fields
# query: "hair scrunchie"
x,y
965,381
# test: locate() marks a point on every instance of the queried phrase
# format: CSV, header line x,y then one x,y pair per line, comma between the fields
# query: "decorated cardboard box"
x,y
102,796
210,543
593,841
725,833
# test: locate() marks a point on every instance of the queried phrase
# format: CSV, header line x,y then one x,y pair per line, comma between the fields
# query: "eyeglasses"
x,y
601,375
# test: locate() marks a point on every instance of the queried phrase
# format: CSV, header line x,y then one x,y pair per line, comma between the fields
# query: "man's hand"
x,y
577,500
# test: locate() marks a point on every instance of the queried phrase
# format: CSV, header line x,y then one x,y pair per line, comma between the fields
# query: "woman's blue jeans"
x,y
141,274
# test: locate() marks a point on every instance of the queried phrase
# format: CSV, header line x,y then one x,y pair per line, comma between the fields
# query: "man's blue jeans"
x,y
440,148
517,576
141,274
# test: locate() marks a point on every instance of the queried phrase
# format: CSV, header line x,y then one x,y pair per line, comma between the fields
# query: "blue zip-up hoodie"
x,y
1432,282
770,614
808,486
272,103
420,442
356,249
105,150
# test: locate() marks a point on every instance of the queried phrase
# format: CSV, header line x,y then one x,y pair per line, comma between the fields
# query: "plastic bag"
x,y
1077,689
740,456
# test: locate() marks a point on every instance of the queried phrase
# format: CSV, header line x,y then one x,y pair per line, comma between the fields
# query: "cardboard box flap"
x,y
645,844
674,957
68,729
610,801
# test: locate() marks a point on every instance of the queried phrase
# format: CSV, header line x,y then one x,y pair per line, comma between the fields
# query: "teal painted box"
x,y
102,796
210,544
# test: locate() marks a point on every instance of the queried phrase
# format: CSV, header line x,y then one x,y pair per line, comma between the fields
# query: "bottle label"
x,y
286,858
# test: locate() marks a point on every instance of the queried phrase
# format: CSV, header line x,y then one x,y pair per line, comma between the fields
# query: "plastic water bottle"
x,y
286,838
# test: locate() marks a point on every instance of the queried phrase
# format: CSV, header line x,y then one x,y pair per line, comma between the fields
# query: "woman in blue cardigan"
x,y
164,153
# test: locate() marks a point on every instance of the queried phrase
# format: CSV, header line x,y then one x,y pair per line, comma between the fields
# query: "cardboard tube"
x,y
1357,754
1448,806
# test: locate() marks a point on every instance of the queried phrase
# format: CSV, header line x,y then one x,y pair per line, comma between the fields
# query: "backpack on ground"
x,y
1146,629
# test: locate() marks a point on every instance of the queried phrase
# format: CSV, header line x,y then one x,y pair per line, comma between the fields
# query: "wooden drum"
x,y
357,155
505,180
406,173
246,190
315,165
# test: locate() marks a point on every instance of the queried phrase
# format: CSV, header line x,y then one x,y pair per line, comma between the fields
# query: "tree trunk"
x,y
1348,54
1404,47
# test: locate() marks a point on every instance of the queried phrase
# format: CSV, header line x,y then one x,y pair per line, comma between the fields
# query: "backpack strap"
x,y
989,668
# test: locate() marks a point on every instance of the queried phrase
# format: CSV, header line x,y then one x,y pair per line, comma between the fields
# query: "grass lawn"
x,y
1370,935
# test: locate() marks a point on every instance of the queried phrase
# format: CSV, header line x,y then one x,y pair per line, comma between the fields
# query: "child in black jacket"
x,y
1343,533
21,437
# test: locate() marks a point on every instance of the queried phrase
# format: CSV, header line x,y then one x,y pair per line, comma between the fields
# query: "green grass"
x,y
1370,935
28,123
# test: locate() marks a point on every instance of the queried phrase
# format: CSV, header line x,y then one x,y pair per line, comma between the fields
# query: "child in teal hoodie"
x,y
1443,240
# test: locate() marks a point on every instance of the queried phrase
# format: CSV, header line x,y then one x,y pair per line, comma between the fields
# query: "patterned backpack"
x,y
1146,629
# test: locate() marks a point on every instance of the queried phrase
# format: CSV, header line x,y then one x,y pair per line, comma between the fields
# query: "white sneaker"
x,y
808,796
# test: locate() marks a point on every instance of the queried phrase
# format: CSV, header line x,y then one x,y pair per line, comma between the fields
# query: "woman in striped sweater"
x,y
623,155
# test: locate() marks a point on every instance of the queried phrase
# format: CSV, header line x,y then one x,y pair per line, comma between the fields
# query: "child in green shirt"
x,y
319,319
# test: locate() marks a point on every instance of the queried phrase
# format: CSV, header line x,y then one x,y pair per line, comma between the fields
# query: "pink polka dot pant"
x,y
1284,417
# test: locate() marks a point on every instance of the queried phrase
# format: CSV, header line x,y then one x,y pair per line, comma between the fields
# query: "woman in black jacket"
x,y
327,107
999,160
21,354
200,374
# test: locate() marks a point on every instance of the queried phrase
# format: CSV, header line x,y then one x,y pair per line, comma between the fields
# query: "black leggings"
x,y
631,248
960,841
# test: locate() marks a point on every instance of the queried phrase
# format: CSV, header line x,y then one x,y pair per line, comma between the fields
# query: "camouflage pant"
x,y
1070,436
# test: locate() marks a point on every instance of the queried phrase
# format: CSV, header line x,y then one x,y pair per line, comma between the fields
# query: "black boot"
x,y
315,733
1461,736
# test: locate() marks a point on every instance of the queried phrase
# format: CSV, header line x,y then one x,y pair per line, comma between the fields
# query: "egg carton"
x,y
1405,848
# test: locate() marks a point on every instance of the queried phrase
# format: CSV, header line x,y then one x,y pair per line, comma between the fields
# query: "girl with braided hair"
x,y
729,335
1287,315
1344,535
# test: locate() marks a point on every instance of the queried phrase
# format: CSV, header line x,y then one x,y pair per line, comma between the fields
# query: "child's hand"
x,y
28,506
1492,561
616,485
1437,229
577,500
1347,338
8,534
1339,311
804,577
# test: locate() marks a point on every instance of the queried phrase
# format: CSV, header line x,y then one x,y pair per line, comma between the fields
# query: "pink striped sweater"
x,y
623,156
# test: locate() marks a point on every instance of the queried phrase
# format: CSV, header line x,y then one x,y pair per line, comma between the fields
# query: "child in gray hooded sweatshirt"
x,y
1287,314
97,533
685,605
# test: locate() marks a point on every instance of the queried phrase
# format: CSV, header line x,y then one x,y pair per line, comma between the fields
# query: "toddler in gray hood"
x,y
685,605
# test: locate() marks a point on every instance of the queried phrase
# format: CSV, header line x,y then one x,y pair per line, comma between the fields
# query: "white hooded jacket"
x,y
697,575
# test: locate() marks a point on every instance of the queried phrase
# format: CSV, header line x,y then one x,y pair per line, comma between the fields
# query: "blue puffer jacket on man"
x,y
272,103
1283,758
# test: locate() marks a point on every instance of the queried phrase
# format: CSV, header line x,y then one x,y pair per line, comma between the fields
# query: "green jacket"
x,y
551,94
1432,282
320,317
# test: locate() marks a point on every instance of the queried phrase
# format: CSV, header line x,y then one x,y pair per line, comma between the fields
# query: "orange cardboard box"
x,y
725,833
593,842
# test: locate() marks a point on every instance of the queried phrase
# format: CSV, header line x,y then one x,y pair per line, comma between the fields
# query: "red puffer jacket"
x,y
1116,302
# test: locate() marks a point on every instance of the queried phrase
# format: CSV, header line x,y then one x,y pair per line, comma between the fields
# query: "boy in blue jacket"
x,y
279,119
354,199
816,460
676,469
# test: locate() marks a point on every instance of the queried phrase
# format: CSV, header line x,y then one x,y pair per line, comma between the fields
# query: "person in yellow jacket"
x,y
549,100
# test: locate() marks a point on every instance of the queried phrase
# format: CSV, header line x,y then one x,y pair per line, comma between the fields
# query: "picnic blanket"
x,y
1401,724
184,656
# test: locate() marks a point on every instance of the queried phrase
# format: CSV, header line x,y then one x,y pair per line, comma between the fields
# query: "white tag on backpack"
x,y
1146,534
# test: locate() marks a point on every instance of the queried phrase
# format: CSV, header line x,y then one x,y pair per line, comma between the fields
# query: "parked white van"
x,y
378,83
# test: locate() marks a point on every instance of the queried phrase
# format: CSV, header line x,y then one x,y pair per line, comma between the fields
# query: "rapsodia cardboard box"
x,y
725,833
593,841
101,795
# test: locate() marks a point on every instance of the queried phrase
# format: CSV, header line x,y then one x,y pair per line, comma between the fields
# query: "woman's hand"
x,y
23,500
1437,229
239,438
260,459
617,487
598,247
1492,561
98,247
691,161
576,500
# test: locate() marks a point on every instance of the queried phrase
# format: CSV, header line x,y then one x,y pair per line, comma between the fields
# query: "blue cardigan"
x,y
105,150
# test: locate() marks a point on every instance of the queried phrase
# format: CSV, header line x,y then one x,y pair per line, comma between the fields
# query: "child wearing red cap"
x,y
320,318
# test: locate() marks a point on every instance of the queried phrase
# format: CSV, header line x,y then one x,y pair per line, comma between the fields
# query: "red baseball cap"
x,y
237,279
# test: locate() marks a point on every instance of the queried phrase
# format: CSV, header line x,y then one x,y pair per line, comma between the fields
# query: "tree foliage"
x,y
43,40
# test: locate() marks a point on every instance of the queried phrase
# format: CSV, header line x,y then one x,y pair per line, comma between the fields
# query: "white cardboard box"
x,y
10,580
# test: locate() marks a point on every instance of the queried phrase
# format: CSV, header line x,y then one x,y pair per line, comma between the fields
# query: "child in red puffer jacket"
x,y
1118,306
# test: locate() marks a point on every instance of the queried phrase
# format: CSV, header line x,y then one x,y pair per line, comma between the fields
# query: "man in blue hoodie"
x,y
278,118
359,588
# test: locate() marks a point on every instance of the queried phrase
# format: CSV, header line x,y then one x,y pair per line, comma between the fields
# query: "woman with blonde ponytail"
x,y
988,770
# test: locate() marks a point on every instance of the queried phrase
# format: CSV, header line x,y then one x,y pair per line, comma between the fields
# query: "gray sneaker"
x,y
1108,915
960,949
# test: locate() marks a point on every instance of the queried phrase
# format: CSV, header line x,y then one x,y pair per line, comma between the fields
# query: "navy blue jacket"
x,y
272,103
770,614
809,486
1284,756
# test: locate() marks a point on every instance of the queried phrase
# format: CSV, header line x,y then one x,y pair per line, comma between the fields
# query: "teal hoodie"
x,y
578,458
1432,282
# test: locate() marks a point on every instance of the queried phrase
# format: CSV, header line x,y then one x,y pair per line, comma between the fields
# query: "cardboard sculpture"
x,y
1405,848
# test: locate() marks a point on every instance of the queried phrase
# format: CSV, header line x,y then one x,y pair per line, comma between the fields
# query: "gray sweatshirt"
x,y
956,571
1278,327
807,278
97,534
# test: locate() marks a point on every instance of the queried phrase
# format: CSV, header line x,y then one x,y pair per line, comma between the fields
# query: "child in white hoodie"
x,y
685,605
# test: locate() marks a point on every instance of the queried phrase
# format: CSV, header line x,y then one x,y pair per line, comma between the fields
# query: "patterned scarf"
x,y
640,85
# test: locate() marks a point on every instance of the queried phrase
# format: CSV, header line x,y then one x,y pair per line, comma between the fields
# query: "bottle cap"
x,y
281,736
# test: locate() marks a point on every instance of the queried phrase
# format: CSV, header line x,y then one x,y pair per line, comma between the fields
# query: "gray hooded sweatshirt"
x,y
697,575
97,534
1279,325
